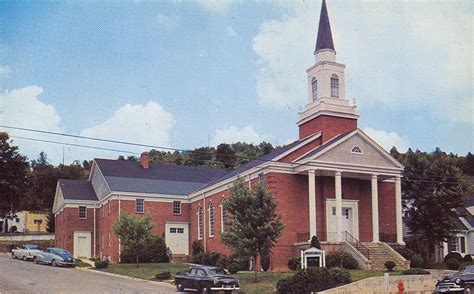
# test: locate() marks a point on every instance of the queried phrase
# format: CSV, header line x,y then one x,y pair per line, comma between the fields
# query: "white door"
x,y
349,220
82,244
177,238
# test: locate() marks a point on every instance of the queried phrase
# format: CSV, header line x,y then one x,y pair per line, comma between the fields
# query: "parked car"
x,y
459,282
55,257
25,251
206,279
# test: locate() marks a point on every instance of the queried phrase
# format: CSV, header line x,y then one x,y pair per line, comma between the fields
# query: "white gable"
x,y
58,199
357,149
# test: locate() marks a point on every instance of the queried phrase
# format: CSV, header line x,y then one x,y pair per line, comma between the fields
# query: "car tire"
x,y
468,289
35,260
206,290
54,263
24,258
179,287
13,256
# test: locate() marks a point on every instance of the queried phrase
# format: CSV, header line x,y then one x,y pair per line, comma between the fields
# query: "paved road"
x,y
17,276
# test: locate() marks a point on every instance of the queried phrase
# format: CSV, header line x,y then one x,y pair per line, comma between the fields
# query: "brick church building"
x,y
334,182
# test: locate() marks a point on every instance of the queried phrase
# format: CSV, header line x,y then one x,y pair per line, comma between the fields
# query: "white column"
x,y
375,210
398,210
338,188
312,203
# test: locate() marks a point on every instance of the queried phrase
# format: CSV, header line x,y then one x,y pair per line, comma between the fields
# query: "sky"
x,y
186,74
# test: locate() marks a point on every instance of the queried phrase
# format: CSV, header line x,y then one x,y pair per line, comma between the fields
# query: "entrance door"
x,y
82,244
177,238
349,221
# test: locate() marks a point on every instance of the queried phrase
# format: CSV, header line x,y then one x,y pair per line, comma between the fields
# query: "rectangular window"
x,y
180,231
173,230
109,240
176,207
108,207
102,243
37,222
261,177
139,207
334,88
82,212
314,86
463,244
102,211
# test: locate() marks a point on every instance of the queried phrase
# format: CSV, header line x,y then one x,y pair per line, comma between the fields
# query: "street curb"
x,y
126,277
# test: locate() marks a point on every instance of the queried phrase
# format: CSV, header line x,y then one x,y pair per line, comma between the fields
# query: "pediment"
x,y
58,199
357,149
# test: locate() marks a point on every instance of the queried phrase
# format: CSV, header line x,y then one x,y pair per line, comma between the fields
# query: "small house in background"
x,y
25,222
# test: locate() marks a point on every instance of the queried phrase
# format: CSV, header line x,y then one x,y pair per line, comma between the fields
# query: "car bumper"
x,y
66,263
224,288
449,289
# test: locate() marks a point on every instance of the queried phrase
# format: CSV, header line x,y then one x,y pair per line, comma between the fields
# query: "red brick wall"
x,y
330,126
67,222
387,213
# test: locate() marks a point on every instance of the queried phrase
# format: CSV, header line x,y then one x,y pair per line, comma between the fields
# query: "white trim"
x,y
222,213
211,232
199,222
346,203
79,212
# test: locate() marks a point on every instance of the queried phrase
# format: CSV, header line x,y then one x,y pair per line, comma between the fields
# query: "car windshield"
x,y
31,246
215,271
467,269
61,252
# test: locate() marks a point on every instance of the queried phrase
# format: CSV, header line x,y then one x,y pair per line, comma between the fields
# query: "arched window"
x,y
314,88
200,224
356,149
334,86
211,220
223,216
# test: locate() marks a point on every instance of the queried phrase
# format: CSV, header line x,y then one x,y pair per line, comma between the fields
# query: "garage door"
x,y
177,237
82,244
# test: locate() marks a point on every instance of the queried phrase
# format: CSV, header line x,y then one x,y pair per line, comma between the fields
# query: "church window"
x,y
314,89
200,224
356,149
223,216
334,86
211,220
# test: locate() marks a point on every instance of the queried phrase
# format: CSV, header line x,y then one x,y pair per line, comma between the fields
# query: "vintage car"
x,y
25,251
55,257
459,282
206,279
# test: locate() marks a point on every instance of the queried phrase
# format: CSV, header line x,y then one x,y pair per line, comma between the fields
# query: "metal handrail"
x,y
358,245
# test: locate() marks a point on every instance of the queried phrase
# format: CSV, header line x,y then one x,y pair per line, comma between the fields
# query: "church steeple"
x,y
324,40
327,111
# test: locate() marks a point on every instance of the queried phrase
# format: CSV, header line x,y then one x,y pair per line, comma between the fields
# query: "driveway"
x,y
26,277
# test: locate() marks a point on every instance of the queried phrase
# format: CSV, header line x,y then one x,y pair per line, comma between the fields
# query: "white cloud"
x,y
4,70
217,6
388,140
235,134
23,108
393,52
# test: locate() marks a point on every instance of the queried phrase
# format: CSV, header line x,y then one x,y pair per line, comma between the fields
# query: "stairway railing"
x,y
358,245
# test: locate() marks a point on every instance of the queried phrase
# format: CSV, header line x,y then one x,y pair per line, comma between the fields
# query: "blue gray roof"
x,y
324,40
130,176
77,190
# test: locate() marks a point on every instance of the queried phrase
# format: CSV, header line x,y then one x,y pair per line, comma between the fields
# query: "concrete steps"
x,y
380,253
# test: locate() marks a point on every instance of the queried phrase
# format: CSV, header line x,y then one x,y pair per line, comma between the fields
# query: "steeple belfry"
x,y
328,111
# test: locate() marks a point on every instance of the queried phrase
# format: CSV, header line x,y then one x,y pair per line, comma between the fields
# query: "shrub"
x,y
223,261
415,271
315,242
294,263
163,276
233,268
389,265
341,259
455,255
407,253
239,263
265,262
314,280
467,258
196,247
207,258
101,264
452,263
155,250
416,261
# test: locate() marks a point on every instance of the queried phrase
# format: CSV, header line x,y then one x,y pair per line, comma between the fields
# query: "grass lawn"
x,y
266,281
145,271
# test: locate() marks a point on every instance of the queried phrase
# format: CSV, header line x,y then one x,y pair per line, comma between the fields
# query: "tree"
x,y
254,225
51,225
134,232
315,242
13,175
226,155
433,187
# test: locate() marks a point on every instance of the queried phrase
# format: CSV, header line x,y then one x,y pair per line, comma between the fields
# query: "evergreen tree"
x,y
14,178
134,232
315,242
226,155
254,225
51,225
